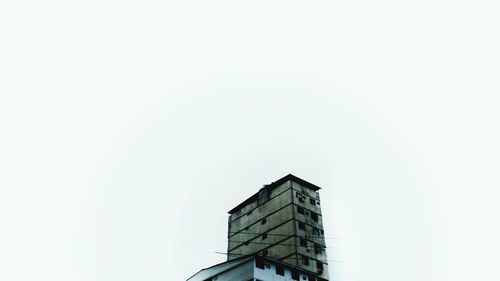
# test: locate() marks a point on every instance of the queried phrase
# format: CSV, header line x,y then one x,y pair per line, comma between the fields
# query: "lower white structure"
x,y
254,268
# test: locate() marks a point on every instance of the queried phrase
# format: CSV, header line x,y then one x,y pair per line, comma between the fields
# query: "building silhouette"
x,y
276,234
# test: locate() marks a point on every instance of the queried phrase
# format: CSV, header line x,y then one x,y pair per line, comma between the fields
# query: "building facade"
x,y
282,221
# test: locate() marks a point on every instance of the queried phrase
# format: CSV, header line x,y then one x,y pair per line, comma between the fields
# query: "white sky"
x,y
130,128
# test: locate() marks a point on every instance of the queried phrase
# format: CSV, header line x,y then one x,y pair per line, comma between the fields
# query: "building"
x,y
253,268
275,234
282,221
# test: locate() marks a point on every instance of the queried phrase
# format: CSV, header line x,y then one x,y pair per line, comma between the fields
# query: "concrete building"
x,y
274,235
253,268
283,222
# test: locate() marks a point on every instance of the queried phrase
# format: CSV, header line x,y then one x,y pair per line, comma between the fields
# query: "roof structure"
x,y
275,184
219,268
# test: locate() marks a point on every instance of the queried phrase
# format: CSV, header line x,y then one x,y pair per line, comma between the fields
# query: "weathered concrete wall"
x,y
272,217
272,227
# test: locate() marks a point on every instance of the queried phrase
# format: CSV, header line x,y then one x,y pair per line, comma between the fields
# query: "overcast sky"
x,y
130,128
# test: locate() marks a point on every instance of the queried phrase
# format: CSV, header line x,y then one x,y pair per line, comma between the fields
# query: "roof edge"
x,y
276,184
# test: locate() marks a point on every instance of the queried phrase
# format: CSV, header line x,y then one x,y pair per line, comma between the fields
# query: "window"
x,y
280,270
263,221
319,265
317,249
300,197
264,253
259,263
303,242
314,217
295,275
302,225
312,201
305,260
300,210
264,236
315,231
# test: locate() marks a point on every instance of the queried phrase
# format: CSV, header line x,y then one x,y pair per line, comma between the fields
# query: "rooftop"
x,y
275,184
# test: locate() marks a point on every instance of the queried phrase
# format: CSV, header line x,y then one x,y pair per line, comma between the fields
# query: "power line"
x,y
281,244
222,253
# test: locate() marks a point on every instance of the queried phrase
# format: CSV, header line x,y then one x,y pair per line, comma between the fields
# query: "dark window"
x,y
322,232
302,225
300,197
315,231
305,260
280,270
295,275
259,263
300,210
264,236
264,252
317,249
314,217
303,242
319,265
317,202
263,221
312,201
